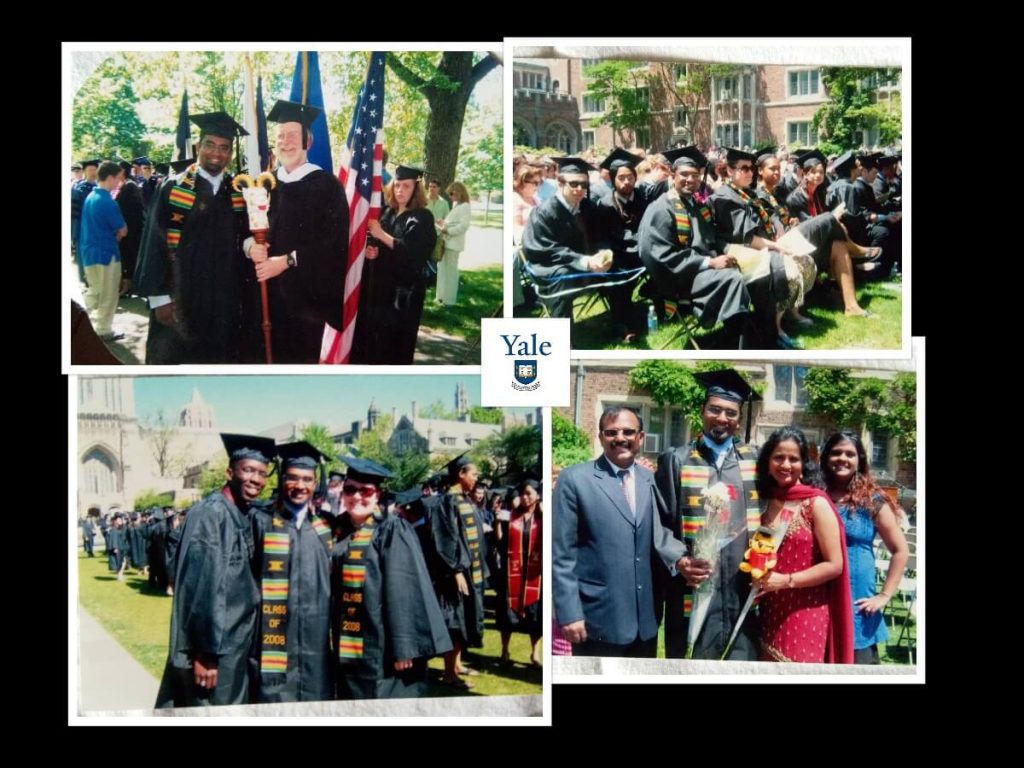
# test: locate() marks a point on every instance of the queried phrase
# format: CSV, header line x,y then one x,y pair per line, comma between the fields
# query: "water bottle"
x,y
652,320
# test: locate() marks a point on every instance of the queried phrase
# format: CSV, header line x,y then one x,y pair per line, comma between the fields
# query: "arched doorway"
x,y
99,473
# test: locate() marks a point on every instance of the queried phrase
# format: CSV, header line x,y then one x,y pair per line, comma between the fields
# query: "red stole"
x,y
812,208
839,647
519,599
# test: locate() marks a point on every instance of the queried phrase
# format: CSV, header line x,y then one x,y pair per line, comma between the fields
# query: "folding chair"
x,y
688,323
577,283
908,586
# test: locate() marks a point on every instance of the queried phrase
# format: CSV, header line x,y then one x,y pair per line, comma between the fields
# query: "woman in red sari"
x,y
518,589
805,605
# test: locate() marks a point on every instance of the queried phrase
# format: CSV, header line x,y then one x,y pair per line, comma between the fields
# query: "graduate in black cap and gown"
x,y
684,472
518,587
191,267
385,617
562,237
305,257
618,219
216,596
392,287
459,567
293,564
681,250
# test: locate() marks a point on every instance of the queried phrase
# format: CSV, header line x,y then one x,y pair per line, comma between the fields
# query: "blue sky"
x,y
255,403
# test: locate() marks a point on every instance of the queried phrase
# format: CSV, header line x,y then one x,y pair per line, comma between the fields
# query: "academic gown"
x,y
309,676
117,542
677,271
207,277
133,209
729,598
392,290
310,217
216,604
137,546
453,553
156,546
399,617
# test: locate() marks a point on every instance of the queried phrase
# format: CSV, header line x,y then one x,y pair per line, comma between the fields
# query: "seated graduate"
x,y
385,617
561,238
679,246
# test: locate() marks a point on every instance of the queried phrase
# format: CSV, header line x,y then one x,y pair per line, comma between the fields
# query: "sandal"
x,y
459,683
873,254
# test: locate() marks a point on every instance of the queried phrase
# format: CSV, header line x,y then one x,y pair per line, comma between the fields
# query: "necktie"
x,y
627,488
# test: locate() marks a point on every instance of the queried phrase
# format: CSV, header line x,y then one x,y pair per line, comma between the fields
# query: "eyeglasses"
x,y
714,410
535,183
224,149
296,480
250,471
364,490
623,432
578,184
744,168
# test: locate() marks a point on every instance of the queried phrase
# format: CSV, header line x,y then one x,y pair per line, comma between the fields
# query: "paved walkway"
x,y
110,680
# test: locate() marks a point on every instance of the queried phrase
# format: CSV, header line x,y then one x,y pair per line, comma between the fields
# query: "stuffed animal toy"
x,y
760,557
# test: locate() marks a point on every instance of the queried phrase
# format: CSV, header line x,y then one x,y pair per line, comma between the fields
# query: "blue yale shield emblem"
x,y
526,371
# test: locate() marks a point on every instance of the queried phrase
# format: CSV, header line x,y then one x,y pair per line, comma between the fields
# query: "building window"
x,y
747,87
643,95
554,86
591,62
880,451
533,81
803,82
680,71
789,384
800,133
642,137
748,139
99,475
521,135
592,103
561,139
679,122
588,142
726,88
727,134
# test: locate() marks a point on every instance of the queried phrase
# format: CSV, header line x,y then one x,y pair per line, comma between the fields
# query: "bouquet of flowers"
x,y
713,536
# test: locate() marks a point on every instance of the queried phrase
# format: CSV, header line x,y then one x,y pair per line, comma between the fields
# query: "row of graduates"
x,y
199,266
138,540
279,602
674,229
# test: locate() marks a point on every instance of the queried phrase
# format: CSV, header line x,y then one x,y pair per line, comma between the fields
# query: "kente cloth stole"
x,y
181,201
473,534
518,599
353,584
762,214
274,606
695,478
684,227
780,209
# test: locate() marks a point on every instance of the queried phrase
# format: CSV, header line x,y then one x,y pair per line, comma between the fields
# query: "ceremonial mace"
x,y
257,204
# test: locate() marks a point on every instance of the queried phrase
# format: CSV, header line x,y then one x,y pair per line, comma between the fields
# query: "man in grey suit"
x,y
608,540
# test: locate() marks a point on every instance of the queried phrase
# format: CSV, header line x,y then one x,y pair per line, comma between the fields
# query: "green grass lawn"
x,y
832,329
495,219
140,622
480,295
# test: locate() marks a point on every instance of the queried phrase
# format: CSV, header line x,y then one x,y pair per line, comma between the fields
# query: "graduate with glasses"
x,y
717,455
386,623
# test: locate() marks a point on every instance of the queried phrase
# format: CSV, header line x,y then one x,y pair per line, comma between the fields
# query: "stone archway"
x,y
562,137
99,472
523,135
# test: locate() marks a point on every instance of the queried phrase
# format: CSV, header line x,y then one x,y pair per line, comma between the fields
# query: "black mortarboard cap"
x,y
240,447
619,158
300,454
293,112
409,495
573,165
869,160
435,481
686,156
887,160
365,470
762,154
180,165
143,160
218,124
126,167
726,384
812,157
162,168
733,155
404,172
528,482
843,164
456,464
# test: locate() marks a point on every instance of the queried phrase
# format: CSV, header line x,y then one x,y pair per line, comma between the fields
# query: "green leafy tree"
x,y
150,498
883,406
569,444
672,383
510,454
103,117
692,87
481,167
480,415
446,80
851,108
320,438
620,84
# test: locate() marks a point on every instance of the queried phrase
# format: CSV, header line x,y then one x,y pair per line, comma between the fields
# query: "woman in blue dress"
x,y
865,511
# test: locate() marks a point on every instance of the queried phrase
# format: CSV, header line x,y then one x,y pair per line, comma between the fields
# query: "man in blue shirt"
x,y
102,227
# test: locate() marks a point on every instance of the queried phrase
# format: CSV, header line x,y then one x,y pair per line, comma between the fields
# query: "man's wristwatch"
x,y
292,259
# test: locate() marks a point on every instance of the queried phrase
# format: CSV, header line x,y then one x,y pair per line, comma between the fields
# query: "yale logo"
x,y
525,371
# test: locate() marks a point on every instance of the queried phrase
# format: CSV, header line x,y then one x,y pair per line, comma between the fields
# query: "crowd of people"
x,y
183,239
336,587
736,237
625,544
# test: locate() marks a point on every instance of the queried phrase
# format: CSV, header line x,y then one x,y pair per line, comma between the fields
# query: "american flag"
x,y
360,175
